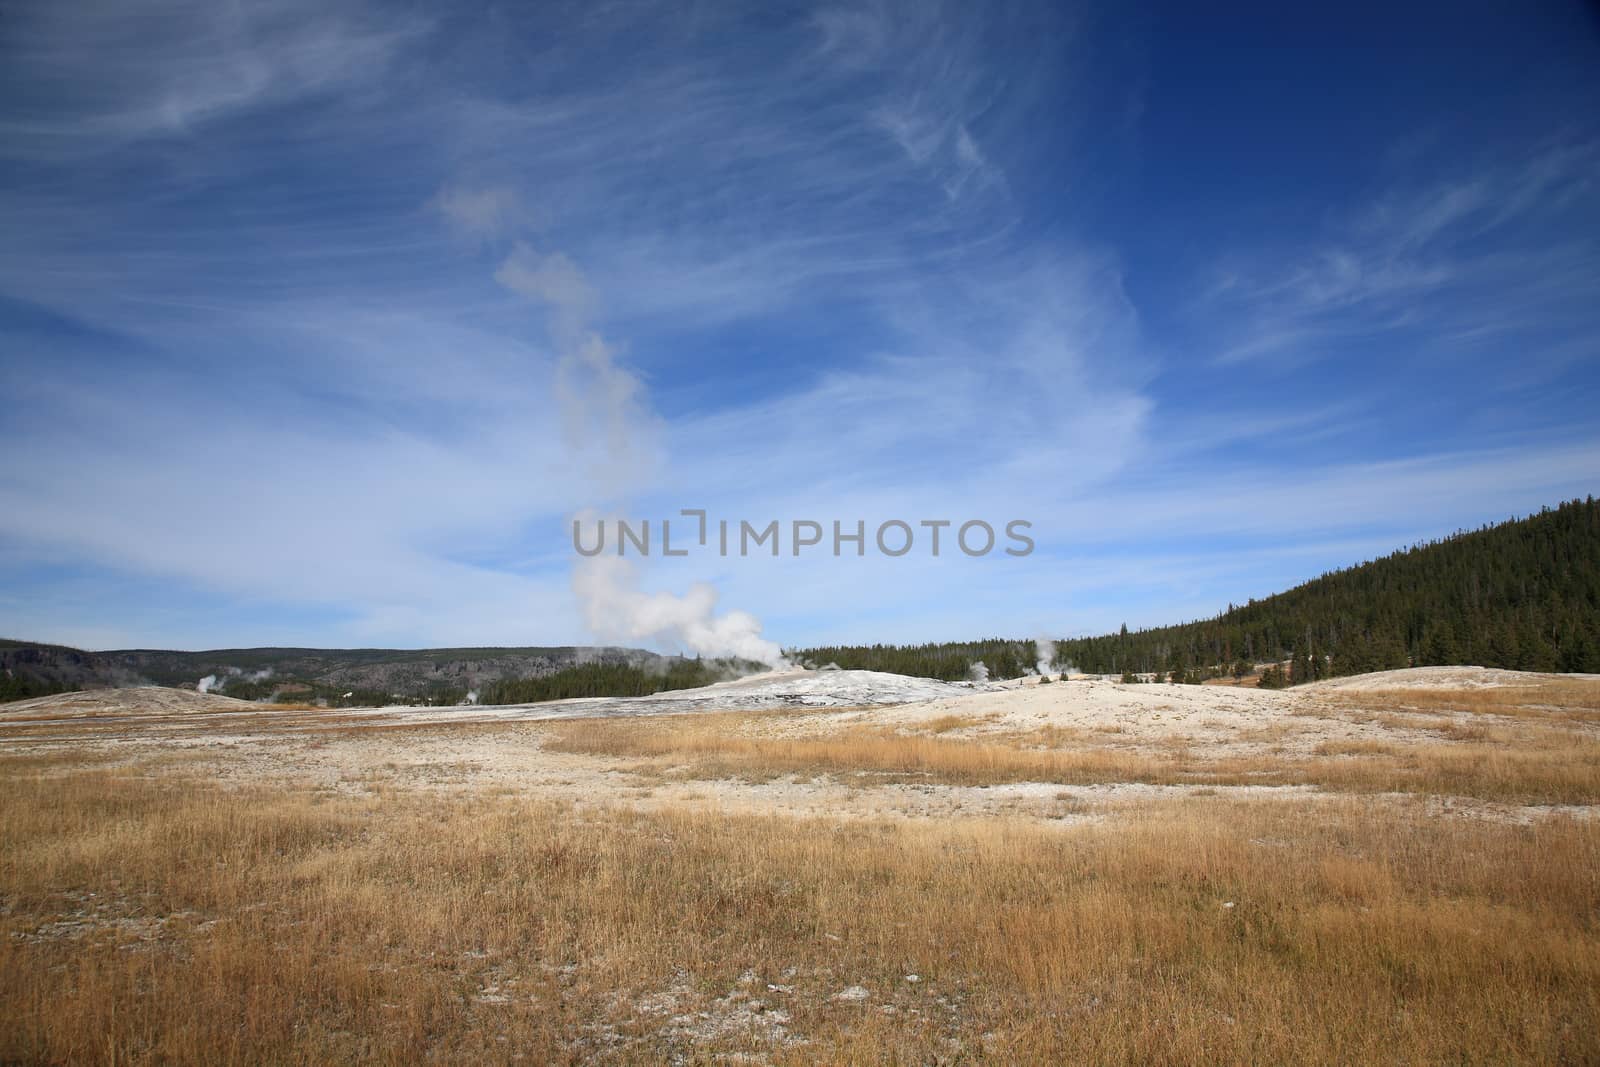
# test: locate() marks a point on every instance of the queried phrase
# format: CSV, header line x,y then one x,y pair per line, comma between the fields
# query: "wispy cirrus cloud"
x,y
1443,261
361,356
101,74
285,296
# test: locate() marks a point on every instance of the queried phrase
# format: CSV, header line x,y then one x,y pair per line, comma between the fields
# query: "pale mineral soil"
x,y
513,749
1445,678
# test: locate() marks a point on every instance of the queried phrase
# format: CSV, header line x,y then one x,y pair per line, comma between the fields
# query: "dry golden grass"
x,y
1051,737
705,747
114,726
149,916
165,920
1533,764
1563,699
944,724
1357,748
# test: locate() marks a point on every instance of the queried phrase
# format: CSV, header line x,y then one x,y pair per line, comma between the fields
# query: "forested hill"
x,y
342,677
1524,594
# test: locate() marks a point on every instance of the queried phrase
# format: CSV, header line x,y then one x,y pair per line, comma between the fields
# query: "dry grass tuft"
x,y
944,724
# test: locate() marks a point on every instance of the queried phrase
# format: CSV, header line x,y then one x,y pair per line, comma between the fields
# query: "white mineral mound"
x,y
797,687
790,688
1437,678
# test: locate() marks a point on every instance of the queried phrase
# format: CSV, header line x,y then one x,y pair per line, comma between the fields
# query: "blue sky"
x,y
319,321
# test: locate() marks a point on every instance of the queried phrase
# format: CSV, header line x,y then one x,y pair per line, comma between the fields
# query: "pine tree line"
x,y
611,680
949,661
20,687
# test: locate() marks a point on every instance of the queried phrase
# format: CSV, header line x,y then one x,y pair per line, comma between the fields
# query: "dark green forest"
x,y
1524,595
18,682
612,680
21,687
949,661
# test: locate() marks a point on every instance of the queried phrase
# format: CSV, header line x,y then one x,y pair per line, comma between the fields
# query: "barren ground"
x,y
1215,730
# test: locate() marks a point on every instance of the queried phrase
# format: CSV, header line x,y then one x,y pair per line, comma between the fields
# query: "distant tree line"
x,y
247,688
949,661
613,680
21,686
1523,595
598,679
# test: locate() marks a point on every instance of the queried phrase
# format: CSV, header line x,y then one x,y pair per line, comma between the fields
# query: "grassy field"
x,y
1044,876
1534,763
150,918
1567,700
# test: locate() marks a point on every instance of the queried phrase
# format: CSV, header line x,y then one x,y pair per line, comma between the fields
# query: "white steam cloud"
x,y
616,609
1045,651
610,433
211,681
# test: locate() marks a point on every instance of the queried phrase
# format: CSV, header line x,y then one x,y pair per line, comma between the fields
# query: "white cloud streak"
x,y
1443,260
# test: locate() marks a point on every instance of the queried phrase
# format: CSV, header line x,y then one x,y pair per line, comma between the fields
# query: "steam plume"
x,y
616,609
211,681
1045,650
609,431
